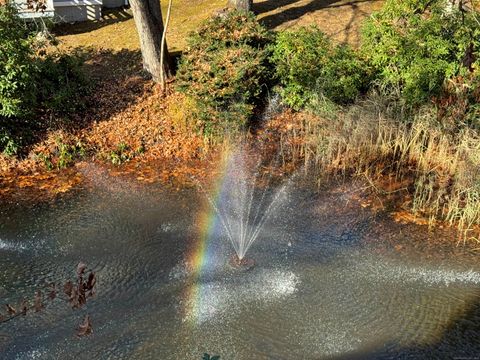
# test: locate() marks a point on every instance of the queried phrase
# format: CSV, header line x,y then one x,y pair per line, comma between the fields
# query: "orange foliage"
x,y
156,143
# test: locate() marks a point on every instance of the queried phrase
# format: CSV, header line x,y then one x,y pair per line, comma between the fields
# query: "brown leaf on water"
x,y
81,268
53,292
91,282
24,307
85,328
68,288
11,310
82,299
74,298
37,304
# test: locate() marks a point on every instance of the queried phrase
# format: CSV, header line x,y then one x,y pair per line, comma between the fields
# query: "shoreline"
x,y
385,196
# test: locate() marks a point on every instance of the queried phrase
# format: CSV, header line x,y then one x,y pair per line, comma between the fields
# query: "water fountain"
x,y
241,264
246,200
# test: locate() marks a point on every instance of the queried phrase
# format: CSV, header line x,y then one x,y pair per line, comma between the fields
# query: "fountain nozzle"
x,y
241,263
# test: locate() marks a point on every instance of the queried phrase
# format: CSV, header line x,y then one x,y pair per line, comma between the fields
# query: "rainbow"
x,y
200,256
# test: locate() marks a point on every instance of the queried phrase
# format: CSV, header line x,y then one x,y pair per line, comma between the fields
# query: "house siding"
x,y
74,13
71,10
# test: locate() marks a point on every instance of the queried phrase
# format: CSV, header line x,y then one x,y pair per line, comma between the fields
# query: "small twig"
x,y
162,49
7,319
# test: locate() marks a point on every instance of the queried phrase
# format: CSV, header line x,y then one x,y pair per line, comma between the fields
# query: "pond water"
x,y
330,280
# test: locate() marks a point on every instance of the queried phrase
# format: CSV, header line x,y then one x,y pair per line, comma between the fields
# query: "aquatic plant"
x,y
77,292
442,169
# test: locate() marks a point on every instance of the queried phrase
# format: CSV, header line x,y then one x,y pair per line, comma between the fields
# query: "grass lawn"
x,y
341,20
116,30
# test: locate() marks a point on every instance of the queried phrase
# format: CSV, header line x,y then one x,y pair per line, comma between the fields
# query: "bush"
x,y
17,69
34,88
307,64
61,83
223,70
344,77
416,46
8,144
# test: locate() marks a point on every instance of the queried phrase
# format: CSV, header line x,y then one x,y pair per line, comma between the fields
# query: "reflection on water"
x,y
327,281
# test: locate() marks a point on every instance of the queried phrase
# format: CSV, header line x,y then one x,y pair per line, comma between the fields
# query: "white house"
x,y
70,10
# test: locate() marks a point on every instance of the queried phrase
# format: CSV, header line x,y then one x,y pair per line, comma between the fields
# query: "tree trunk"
x,y
241,4
148,20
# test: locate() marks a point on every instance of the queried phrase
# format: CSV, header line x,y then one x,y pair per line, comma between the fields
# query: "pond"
x,y
331,279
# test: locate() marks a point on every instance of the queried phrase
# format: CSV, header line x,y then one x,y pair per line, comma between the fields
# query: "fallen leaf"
x,y
11,310
38,301
81,268
85,328
68,288
24,307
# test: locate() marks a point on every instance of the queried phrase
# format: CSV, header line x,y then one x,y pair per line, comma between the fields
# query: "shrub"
x,y
307,64
417,45
344,77
59,150
61,83
223,69
34,87
7,143
459,102
16,66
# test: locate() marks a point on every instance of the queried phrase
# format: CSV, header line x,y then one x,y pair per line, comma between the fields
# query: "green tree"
x,y
418,45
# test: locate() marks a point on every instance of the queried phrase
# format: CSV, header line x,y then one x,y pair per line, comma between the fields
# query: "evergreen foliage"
x,y
223,70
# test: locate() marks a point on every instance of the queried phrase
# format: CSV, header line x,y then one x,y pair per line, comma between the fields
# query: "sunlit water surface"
x,y
328,281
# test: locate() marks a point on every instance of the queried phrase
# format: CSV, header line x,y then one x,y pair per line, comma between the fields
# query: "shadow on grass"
x,y
295,12
118,81
270,5
109,16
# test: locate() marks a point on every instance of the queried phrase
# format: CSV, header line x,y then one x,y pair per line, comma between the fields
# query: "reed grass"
x,y
370,139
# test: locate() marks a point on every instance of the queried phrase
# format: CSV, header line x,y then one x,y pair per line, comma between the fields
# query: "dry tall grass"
x,y
442,167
